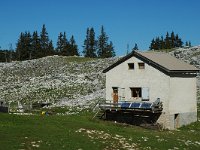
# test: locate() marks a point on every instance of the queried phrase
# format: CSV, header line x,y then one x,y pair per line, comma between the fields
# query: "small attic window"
x,y
141,65
130,66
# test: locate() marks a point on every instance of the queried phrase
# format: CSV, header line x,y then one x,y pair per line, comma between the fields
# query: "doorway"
x,y
176,120
115,94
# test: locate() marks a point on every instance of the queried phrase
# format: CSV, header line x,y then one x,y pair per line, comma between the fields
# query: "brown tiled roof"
x,y
167,61
160,60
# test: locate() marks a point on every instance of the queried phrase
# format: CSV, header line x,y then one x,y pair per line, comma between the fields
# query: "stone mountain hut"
x,y
141,80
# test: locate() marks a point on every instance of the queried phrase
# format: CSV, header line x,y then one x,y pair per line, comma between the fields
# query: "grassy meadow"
x,y
81,132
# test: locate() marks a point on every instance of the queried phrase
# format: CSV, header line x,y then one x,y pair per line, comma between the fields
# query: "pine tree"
x,y
86,45
19,46
110,50
157,45
51,48
162,43
66,46
189,44
90,44
24,47
167,41
105,50
28,47
73,48
60,44
44,39
151,47
172,40
186,44
178,40
102,43
36,47
135,48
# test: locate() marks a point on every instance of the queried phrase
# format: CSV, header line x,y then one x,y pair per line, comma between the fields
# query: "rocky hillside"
x,y
65,80
55,79
190,55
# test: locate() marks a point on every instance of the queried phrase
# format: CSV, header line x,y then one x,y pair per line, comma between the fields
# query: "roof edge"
x,y
148,61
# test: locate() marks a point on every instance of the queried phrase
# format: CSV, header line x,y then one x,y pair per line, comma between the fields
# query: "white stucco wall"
x,y
182,101
122,77
182,95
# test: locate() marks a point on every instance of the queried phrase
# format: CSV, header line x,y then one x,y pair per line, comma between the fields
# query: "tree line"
x,y
170,41
37,45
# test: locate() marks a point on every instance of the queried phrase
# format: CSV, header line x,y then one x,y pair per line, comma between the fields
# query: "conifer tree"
x,y
51,48
60,44
172,40
110,50
73,48
167,41
102,43
135,48
105,50
189,44
19,46
86,46
90,44
24,48
186,44
36,47
44,39
65,46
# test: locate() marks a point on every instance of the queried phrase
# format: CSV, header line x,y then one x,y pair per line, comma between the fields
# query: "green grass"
x,y
82,132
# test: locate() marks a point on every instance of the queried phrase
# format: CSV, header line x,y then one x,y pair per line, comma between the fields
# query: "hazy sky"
x,y
125,21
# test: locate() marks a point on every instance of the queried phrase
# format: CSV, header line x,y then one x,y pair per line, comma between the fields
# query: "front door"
x,y
115,95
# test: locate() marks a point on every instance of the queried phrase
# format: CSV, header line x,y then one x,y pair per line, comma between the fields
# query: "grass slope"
x,y
81,132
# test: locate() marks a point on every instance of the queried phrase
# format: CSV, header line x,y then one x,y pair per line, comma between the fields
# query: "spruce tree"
x,y
102,43
86,46
44,39
66,46
73,48
110,50
172,40
24,47
186,44
105,50
36,47
151,47
27,46
90,44
19,46
60,44
189,44
162,43
135,48
167,41
51,48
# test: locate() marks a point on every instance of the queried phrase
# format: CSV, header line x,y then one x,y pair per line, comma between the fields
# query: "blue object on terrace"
x,y
125,105
135,105
146,105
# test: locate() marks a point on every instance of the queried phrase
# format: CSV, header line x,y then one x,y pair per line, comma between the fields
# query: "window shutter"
x,y
145,93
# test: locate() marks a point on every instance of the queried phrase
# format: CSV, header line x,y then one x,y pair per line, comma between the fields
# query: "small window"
x,y
136,92
130,66
141,65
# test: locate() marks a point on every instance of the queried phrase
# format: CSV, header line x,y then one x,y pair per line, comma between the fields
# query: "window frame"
x,y
133,89
141,65
131,66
